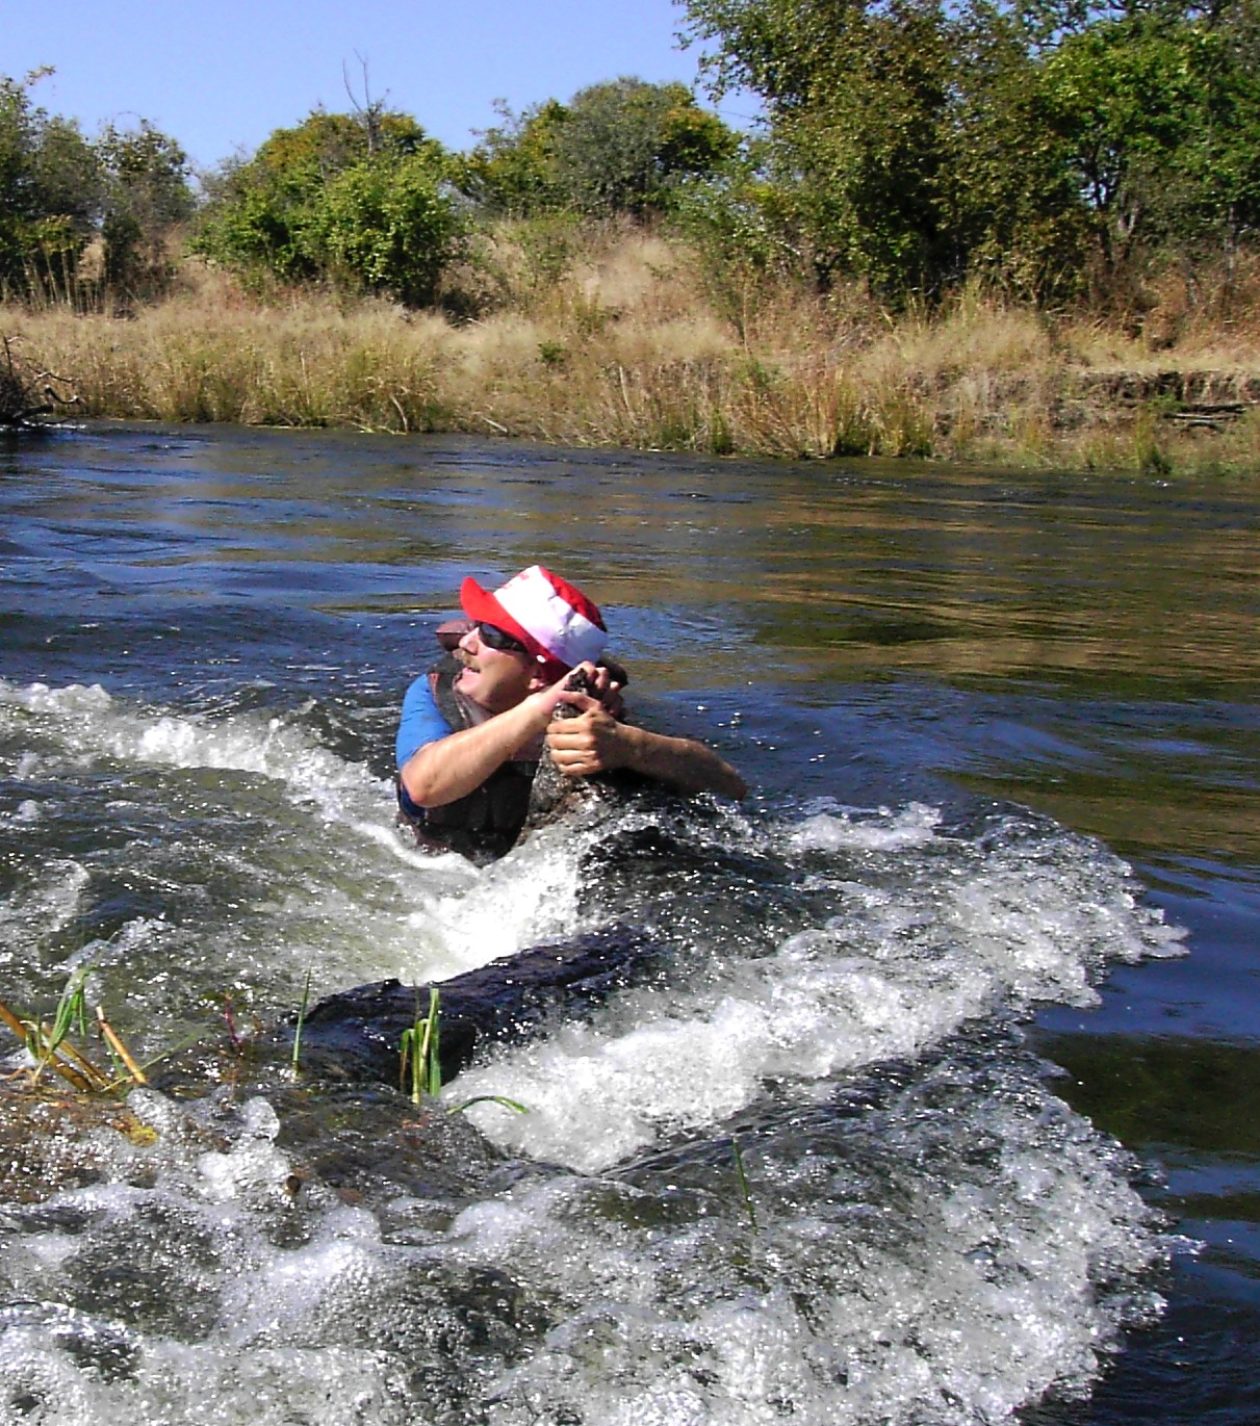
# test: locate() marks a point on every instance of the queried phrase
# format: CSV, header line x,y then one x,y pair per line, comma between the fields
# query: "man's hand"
x,y
587,744
602,684
605,685
595,741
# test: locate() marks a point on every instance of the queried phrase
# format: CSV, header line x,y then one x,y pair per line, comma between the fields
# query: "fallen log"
x,y
1210,416
28,394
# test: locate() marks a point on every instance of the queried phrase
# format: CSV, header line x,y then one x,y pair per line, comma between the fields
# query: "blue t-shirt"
x,y
419,723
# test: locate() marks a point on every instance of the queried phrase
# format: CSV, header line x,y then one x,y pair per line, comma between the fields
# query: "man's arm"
x,y
449,768
437,766
596,742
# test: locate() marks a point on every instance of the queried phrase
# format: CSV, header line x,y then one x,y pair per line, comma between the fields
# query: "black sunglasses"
x,y
494,637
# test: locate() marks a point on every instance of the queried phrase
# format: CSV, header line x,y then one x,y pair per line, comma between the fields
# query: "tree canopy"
x,y
360,200
1056,148
1037,142
620,146
59,190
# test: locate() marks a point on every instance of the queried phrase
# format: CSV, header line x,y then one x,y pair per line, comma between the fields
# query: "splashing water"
x,y
928,1233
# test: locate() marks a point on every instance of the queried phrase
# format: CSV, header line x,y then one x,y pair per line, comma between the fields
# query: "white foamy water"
x,y
888,1276
919,949
946,1252
86,724
928,1233
338,887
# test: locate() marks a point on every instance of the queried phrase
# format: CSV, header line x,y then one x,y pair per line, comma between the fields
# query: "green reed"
x,y
296,1058
419,1052
71,1014
420,1062
51,1043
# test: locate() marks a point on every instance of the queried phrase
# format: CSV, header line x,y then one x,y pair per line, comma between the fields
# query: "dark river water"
x,y
944,1103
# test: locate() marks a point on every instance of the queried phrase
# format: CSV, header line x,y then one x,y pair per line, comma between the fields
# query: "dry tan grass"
x,y
611,336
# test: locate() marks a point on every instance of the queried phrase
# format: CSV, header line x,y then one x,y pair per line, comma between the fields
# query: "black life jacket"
x,y
484,824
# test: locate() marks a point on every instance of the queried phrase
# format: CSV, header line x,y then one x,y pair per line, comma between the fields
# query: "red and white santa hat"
x,y
555,621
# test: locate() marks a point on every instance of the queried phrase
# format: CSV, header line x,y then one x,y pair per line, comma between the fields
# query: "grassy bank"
x,y
619,339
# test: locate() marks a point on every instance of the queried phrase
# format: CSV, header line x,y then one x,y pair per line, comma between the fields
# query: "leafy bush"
x,y
385,225
358,201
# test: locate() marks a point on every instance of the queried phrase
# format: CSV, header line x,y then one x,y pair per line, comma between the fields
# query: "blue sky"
x,y
219,77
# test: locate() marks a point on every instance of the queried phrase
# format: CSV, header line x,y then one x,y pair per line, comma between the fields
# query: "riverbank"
x,y
624,344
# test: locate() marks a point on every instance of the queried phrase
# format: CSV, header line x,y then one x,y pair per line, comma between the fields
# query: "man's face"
x,y
497,679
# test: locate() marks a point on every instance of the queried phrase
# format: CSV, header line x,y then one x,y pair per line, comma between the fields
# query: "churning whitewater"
x,y
808,1170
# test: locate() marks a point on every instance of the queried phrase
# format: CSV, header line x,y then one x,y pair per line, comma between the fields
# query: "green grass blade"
x,y
433,1061
301,1020
500,1099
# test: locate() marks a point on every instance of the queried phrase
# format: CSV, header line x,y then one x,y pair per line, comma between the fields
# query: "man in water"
x,y
472,728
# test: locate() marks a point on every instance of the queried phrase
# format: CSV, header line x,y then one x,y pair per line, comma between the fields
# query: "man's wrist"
x,y
629,746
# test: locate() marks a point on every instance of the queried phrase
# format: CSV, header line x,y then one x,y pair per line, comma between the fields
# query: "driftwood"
x,y
27,394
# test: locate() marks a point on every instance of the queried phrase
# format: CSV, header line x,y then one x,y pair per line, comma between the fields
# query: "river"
x,y
943,1105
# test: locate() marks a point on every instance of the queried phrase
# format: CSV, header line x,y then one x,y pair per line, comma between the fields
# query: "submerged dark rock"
x,y
356,1033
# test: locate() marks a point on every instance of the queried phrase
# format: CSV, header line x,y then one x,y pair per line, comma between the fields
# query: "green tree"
x,y
49,192
624,144
58,191
1218,200
861,103
361,200
146,195
1021,220
915,143
786,51
1160,120
513,169
65,174
618,147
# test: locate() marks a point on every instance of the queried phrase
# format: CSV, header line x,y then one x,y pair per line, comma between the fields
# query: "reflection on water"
x,y
1201,1096
961,697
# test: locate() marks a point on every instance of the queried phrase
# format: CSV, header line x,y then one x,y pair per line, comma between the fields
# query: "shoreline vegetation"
x,y
1024,233
612,335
